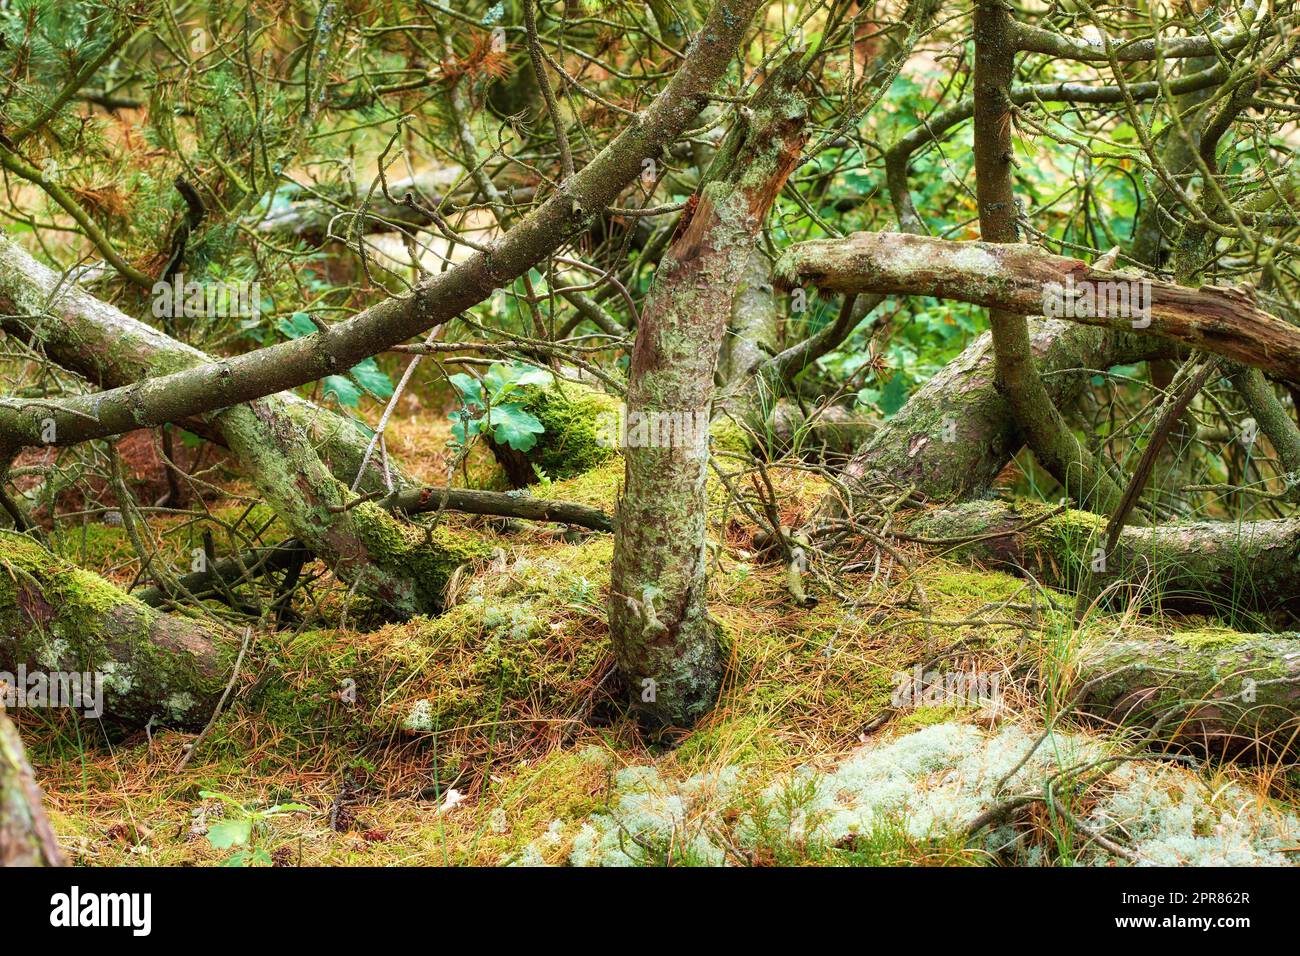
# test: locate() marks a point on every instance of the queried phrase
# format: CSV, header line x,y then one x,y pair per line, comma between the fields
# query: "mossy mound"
x,y
580,434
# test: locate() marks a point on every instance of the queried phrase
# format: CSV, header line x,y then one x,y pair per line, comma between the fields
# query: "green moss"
x,y
1208,638
919,717
579,421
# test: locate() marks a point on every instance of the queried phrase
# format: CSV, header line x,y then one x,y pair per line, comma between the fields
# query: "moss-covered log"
x,y
1207,564
55,616
1221,692
26,837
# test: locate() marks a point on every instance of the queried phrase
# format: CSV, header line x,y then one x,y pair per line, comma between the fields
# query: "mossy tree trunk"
x,y
55,616
1225,693
1216,565
26,837
668,648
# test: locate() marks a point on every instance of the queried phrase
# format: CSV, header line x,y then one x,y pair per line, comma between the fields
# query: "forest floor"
x,y
493,734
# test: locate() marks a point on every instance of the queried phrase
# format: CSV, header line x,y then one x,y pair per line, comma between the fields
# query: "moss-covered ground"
x,y
494,733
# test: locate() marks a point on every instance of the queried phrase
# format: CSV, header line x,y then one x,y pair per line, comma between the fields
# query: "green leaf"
x,y
471,392
344,392
373,379
513,426
237,859
227,833
296,326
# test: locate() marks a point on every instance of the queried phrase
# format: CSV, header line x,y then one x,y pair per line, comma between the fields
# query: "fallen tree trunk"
x,y
1206,564
953,437
26,837
1020,278
55,616
1219,692
110,349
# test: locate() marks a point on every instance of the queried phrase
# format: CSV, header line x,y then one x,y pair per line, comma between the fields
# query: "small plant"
x,y
494,406
245,827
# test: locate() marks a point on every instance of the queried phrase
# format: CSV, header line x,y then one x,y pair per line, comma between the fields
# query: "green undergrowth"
x,y
509,699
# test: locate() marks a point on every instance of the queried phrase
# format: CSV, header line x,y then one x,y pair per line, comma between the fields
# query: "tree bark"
x,y
276,368
668,648
26,837
1225,321
402,567
55,616
110,349
1082,474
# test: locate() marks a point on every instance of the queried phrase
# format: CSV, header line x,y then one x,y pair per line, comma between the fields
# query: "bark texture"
x,y
55,616
26,837
110,349
956,434
276,368
668,648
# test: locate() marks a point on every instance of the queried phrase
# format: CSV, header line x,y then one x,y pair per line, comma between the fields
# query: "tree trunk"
x,y
26,837
955,434
1196,565
56,617
398,565
668,648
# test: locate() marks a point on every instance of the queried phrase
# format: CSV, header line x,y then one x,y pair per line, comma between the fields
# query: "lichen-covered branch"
x,y
276,368
1222,692
1223,320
